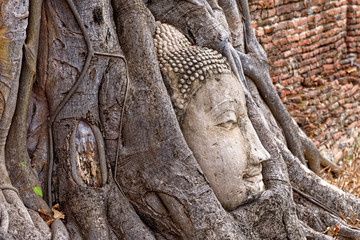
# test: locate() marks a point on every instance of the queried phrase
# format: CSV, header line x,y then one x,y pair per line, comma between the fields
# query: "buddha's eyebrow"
x,y
227,103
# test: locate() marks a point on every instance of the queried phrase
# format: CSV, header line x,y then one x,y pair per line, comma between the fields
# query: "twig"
x,y
111,55
18,177
316,202
119,145
27,188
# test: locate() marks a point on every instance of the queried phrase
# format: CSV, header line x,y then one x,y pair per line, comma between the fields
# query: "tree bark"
x,y
94,125
157,168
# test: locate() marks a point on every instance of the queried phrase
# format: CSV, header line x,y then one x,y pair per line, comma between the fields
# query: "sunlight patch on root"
x,y
2,104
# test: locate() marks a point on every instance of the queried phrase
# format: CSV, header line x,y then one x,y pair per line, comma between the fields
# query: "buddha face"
x,y
224,142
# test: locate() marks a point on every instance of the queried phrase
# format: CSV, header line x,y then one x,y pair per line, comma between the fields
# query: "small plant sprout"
x,y
36,189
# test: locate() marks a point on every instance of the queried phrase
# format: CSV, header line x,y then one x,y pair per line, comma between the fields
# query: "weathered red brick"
x,y
271,12
292,38
291,24
318,2
268,29
326,67
285,93
305,42
354,90
300,21
347,105
259,32
268,46
283,9
302,35
334,11
341,23
281,25
329,60
317,17
333,28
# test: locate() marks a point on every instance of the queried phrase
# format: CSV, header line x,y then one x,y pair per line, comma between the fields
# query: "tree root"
x,y
274,209
312,234
322,221
40,224
59,231
311,184
322,196
75,86
19,223
16,151
83,73
256,67
4,218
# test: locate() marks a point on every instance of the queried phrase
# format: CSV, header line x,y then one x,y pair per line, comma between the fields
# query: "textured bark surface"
x,y
16,150
16,222
157,168
94,124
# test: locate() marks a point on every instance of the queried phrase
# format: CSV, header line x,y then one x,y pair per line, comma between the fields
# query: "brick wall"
x,y
353,26
313,48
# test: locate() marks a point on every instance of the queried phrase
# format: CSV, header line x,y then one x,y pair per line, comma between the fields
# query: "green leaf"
x,y
22,164
38,191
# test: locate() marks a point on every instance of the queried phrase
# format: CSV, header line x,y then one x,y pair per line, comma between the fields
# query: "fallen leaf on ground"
x,y
57,213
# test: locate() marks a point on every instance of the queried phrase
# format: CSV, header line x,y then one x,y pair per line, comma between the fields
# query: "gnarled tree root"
x,y
23,177
256,67
325,198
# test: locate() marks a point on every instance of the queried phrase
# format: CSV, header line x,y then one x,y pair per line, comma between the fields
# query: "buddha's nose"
x,y
258,153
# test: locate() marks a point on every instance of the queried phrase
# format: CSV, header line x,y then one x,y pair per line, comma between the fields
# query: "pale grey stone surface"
x,y
211,108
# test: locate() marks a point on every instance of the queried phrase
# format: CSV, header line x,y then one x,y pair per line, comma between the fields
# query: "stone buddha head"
x,y
210,106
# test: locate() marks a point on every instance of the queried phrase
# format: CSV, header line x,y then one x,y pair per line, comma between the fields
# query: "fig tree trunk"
x,y
90,146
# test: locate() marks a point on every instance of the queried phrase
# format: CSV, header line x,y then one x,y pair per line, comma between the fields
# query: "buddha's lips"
x,y
253,173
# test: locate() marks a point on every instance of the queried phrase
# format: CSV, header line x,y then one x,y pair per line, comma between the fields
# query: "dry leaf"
x,y
351,69
349,179
57,214
46,216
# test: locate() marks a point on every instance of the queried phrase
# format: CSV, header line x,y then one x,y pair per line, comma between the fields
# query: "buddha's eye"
x,y
227,120
227,125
